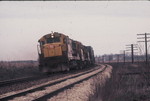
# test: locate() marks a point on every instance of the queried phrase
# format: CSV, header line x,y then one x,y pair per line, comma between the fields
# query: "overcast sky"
x,y
107,26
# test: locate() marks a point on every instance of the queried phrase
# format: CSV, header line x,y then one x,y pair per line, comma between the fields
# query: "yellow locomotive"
x,y
57,52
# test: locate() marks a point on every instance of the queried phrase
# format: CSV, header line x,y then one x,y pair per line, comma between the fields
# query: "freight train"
x,y
57,52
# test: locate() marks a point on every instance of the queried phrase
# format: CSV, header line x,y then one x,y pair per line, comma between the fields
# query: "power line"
x,y
145,37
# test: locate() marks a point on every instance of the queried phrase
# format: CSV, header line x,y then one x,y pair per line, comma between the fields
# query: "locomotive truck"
x,y
57,52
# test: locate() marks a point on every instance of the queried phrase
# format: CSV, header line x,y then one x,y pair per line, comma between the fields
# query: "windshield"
x,y
53,40
42,43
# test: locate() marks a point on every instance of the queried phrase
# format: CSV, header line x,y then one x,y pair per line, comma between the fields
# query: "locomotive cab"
x,y
52,50
50,46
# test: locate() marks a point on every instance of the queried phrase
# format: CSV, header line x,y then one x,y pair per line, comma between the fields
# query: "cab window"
x,y
42,43
64,40
53,40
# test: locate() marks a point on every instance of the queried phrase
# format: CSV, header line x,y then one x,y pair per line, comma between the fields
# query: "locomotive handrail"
x,y
38,49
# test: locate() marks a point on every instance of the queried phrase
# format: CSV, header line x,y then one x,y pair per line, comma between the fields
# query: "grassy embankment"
x,y
129,82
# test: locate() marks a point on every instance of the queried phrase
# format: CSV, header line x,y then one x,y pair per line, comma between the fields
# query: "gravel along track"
x,y
51,88
82,91
20,84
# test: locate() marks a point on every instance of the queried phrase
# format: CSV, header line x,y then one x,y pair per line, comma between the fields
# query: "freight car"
x,y
57,52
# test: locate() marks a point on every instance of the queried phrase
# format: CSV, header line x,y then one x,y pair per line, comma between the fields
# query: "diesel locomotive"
x,y
57,52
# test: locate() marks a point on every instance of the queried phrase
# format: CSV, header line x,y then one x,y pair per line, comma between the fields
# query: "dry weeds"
x,y
130,82
12,70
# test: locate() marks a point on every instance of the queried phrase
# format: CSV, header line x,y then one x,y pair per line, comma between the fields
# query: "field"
x,y
17,69
128,82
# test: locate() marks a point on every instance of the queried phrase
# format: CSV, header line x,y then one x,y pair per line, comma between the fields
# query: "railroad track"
x,y
24,79
47,90
20,80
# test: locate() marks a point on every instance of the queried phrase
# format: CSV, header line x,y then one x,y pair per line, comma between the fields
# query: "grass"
x,y
129,82
17,69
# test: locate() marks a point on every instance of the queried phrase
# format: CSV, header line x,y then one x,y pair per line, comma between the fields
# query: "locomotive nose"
x,y
51,50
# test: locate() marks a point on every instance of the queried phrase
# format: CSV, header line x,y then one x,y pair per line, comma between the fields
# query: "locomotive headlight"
x,y
52,35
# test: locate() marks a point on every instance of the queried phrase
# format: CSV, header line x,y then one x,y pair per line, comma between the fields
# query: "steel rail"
x,y
20,80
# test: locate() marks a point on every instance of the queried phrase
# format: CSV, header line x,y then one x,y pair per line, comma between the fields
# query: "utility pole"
x,y
132,51
124,57
145,37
